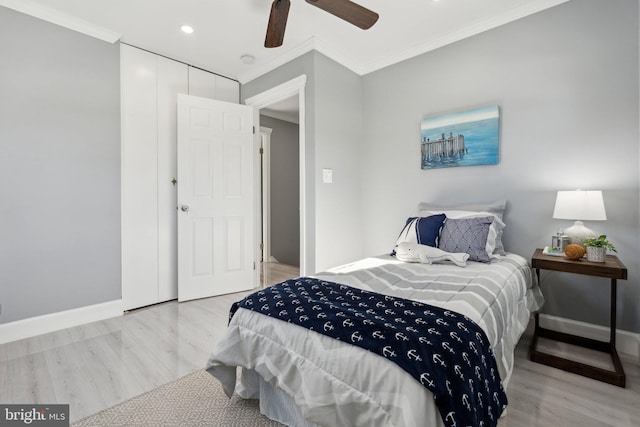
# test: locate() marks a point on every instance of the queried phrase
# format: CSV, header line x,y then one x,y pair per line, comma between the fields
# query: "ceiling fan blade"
x,y
277,23
349,11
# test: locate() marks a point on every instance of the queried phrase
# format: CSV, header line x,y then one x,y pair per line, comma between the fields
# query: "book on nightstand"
x,y
548,250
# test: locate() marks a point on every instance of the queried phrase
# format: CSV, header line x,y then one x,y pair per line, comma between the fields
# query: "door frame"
x,y
285,90
265,134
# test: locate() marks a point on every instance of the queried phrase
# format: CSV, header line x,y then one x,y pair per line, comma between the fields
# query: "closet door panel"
x,y
172,79
139,178
227,90
202,83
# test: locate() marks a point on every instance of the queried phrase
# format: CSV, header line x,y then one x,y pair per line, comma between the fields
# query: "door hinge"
x,y
261,246
254,265
254,130
261,150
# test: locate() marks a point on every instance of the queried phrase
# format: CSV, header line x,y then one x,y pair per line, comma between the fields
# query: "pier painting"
x,y
467,138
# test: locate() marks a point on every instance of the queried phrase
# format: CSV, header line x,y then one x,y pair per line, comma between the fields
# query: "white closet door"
x,y
209,85
216,194
227,90
150,86
139,178
202,83
172,80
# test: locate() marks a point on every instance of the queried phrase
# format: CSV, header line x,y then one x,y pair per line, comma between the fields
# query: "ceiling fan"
x,y
344,9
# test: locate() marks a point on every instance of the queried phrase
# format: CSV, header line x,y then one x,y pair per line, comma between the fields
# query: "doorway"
x,y
280,191
286,101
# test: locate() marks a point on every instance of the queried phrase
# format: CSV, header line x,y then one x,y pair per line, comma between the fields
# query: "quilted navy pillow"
x,y
422,230
467,235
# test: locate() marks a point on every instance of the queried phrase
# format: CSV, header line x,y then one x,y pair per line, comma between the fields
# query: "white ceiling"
x,y
227,29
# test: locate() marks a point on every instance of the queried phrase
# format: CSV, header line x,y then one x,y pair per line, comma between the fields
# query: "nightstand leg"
x,y
537,314
536,330
619,370
614,300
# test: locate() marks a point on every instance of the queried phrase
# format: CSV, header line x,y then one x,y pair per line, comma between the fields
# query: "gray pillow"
x,y
496,208
467,235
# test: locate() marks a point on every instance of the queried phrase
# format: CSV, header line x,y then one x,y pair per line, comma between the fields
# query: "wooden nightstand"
x,y
613,269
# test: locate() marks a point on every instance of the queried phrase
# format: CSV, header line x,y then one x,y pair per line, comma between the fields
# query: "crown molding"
x,y
341,57
62,19
480,27
308,45
362,68
332,51
255,72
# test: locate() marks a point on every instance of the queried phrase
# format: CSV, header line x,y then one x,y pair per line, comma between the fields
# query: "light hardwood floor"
x,y
98,365
273,272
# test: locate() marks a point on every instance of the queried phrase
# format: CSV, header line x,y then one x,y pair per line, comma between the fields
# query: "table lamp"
x,y
579,205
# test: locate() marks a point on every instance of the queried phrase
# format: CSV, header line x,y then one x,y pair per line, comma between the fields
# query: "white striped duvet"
x,y
333,383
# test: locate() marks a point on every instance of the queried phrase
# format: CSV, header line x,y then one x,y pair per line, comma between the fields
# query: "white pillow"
x,y
495,230
415,252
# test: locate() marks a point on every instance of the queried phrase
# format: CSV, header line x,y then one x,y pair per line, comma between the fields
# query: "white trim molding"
x,y
360,67
64,20
331,50
285,90
255,72
454,36
626,342
39,325
265,178
278,93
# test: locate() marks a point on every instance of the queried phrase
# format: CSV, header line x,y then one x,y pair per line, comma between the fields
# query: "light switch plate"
x,y
327,176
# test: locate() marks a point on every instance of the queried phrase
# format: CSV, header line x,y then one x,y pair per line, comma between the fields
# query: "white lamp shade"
x,y
580,205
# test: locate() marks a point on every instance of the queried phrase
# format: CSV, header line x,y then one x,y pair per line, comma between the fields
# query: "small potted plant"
x,y
597,248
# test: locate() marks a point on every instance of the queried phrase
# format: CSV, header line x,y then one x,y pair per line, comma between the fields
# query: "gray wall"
x,y
566,80
333,96
285,190
338,147
60,169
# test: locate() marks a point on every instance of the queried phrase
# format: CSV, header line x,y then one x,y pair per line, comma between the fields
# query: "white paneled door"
x,y
216,198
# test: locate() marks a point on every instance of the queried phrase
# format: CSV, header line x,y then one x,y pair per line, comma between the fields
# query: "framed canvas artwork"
x,y
467,138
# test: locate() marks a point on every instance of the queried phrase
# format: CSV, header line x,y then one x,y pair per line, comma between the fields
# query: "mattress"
x,y
306,378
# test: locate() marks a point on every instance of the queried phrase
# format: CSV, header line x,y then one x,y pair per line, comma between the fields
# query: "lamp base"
x,y
577,232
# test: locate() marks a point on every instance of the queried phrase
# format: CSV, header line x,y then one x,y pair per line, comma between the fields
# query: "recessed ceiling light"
x,y
186,29
247,59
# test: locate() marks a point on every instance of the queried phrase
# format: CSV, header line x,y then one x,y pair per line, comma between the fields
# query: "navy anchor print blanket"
x,y
445,351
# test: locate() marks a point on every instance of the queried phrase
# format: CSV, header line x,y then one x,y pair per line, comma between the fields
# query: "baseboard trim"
x,y
626,342
38,325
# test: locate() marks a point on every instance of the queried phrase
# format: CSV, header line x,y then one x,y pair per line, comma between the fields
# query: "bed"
x,y
303,377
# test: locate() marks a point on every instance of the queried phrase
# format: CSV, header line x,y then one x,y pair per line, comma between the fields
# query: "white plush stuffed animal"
x,y
415,252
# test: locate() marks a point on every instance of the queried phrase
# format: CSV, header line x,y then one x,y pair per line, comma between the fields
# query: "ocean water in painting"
x,y
480,135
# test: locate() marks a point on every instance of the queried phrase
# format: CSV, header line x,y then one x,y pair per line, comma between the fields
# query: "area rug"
x,y
194,400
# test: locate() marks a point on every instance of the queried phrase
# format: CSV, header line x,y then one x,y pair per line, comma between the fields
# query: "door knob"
x,y
184,208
